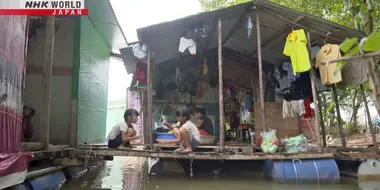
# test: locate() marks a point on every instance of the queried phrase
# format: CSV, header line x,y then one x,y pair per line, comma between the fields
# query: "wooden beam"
x,y
237,23
323,128
47,79
370,126
38,70
315,96
220,67
340,124
204,155
355,57
150,98
260,63
277,35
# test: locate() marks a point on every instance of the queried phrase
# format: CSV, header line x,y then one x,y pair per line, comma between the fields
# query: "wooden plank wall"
x,y
284,127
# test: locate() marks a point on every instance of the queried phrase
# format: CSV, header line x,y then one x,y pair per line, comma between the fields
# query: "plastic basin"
x,y
165,136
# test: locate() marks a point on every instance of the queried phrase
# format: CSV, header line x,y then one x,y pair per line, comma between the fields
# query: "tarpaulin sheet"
x,y
93,84
13,46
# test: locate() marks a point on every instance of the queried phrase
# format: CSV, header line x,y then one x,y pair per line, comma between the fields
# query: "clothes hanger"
x,y
327,37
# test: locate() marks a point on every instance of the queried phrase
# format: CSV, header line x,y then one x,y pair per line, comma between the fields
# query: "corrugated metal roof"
x,y
104,19
275,21
128,59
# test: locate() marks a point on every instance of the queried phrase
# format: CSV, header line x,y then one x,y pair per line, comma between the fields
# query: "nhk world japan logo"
x,y
43,8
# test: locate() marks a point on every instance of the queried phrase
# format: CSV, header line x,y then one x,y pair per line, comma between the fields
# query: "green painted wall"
x,y
92,86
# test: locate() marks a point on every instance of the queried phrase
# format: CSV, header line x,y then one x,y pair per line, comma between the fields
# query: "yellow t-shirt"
x,y
295,47
330,74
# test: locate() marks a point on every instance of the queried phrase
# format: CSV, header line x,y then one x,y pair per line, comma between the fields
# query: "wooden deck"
x,y
201,155
207,153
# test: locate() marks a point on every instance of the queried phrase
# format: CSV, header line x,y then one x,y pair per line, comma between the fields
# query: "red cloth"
x,y
12,51
203,132
141,72
308,110
14,162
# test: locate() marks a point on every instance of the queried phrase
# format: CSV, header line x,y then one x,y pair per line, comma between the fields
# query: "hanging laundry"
x,y
330,74
205,67
354,72
178,74
295,48
287,111
319,86
314,51
189,44
288,67
249,26
308,110
282,79
298,107
141,72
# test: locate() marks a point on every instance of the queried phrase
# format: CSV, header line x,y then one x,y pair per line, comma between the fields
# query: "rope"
x,y
89,156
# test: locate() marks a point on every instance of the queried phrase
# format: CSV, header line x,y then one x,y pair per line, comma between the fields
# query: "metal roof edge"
x,y
268,4
117,21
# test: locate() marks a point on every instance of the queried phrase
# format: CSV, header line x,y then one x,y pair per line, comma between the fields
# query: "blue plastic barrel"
x,y
48,182
74,172
302,171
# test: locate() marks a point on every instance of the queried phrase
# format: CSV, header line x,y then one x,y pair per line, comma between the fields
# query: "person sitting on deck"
x,y
123,133
186,132
204,123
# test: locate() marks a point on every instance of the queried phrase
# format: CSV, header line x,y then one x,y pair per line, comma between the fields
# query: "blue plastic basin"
x,y
165,136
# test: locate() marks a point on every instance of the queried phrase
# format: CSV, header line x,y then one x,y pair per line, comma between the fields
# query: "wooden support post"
x,y
149,98
315,96
340,124
220,67
321,121
46,80
370,126
260,63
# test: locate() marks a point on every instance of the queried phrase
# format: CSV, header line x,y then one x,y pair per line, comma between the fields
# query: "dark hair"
x,y
184,112
130,112
201,110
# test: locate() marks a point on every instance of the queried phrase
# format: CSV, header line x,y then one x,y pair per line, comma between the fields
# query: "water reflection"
x,y
131,174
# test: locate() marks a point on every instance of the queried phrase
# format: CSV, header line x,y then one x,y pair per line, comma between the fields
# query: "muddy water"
x,y
131,174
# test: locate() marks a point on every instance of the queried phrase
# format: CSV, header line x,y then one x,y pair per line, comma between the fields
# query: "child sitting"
x,y
123,133
186,132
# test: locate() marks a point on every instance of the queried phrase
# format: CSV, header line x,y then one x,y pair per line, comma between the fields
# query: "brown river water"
x,y
129,173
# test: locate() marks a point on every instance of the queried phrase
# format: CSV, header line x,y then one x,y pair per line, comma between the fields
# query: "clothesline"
x,y
367,55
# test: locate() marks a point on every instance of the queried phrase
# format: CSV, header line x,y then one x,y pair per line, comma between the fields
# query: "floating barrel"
x,y
302,171
75,172
21,186
47,182
361,169
165,167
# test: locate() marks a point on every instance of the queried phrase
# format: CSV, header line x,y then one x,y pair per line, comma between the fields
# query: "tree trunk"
x,y
374,76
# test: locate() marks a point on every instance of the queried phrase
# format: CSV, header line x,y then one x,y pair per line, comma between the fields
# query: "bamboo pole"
x,y
260,61
324,144
47,79
149,98
370,126
315,96
355,57
340,125
220,67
